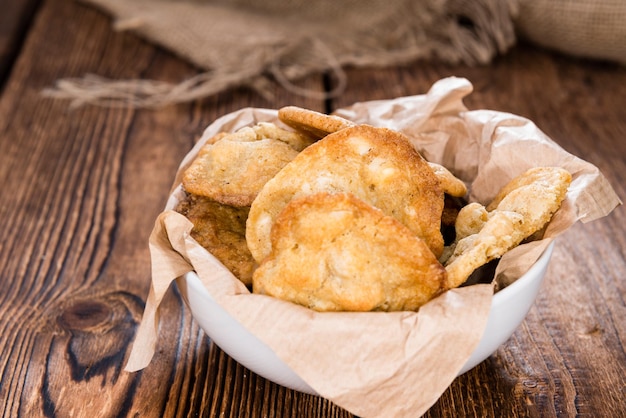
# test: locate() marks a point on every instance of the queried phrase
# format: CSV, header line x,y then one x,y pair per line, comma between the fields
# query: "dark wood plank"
x,y
81,190
568,357
15,18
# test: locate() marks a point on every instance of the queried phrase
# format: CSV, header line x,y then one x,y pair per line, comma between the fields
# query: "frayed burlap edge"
x,y
242,47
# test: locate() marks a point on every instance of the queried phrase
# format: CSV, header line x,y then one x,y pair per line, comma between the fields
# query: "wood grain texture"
x,y
81,189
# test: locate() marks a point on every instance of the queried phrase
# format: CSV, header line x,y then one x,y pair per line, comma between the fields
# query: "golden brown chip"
x,y
499,234
334,252
523,207
221,230
215,138
377,165
293,139
312,123
450,184
470,220
546,182
265,130
233,169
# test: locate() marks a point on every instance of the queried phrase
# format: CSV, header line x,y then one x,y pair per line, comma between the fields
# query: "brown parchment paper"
x,y
384,364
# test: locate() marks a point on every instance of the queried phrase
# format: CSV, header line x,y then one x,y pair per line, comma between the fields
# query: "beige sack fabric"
x,y
584,28
249,42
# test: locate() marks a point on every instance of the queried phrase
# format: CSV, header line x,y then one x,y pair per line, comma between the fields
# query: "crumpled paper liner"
x,y
384,364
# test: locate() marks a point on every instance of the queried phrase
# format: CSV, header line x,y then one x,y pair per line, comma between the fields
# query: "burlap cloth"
x,y
248,43
584,28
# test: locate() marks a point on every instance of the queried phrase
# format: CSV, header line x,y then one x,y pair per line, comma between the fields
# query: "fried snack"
x,y
213,140
264,130
234,167
334,252
498,235
295,140
450,184
521,208
220,229
546,181
378,165
470,220
318,125
314,124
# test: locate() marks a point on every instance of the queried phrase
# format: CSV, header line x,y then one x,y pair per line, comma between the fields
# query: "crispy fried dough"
x,y
295,140
220,229
521,208
315,124
450,184
265,130
318,125
377,165
545,181
470,220
498,235
213,140
334,252
233,168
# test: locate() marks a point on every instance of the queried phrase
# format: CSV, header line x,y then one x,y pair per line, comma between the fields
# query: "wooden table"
x,y
81,189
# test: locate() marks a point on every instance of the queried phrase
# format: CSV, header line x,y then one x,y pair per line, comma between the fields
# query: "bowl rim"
x,y
524,281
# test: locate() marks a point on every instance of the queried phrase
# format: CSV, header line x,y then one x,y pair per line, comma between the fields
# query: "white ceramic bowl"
x,y
508,309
